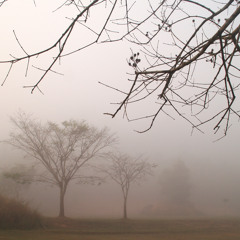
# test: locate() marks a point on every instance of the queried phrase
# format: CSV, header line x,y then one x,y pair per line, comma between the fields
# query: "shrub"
x,y
15,214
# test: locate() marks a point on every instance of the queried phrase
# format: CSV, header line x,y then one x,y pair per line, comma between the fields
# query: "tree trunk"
x,y
125,208
61,203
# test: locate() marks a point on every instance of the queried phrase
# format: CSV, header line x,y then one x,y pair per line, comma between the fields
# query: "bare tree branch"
x,y
175,42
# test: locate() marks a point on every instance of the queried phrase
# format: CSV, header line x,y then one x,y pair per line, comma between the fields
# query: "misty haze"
x,y
120,118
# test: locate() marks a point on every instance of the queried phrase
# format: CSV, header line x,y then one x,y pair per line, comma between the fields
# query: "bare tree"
x,y
125,171
62,150
175,41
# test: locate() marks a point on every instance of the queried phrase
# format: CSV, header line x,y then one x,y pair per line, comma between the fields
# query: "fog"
x,y
211,180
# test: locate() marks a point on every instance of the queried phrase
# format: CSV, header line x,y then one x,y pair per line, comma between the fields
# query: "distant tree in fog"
x,y
125,171
175,183
175,190
62,149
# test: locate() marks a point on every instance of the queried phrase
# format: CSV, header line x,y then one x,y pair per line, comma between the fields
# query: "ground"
x,y
72,229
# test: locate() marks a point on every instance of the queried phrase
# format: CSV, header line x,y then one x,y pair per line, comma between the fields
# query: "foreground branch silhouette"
x,y
175,42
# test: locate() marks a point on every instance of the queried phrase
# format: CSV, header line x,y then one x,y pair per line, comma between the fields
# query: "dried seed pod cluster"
x,y
134,60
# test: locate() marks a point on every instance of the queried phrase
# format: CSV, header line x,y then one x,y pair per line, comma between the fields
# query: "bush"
x,y
15,214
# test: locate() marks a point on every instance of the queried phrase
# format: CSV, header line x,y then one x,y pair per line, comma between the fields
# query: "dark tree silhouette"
x,y
199,36
175,42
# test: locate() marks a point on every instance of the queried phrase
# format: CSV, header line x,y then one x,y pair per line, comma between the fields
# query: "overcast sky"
x,y
76,94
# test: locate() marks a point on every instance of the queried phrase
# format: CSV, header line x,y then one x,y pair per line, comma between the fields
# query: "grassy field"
x,y
69,229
